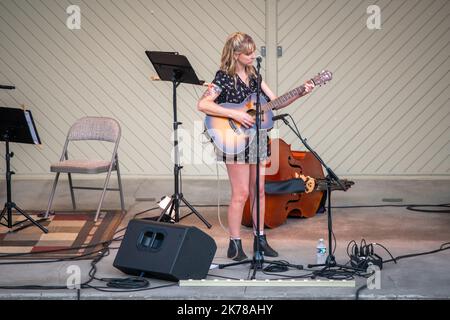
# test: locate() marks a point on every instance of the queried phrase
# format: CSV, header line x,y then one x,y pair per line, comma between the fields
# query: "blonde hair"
x,y
236,43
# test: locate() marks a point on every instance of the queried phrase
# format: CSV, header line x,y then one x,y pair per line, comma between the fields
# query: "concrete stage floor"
x,y
400,230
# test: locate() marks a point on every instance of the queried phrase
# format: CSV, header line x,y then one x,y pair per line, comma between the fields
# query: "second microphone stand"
x,y
331,176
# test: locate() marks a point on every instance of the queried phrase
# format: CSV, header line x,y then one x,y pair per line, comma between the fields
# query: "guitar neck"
x,y
281,101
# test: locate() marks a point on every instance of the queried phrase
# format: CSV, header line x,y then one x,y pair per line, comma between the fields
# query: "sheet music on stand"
x,y
168,63
13,120
32,127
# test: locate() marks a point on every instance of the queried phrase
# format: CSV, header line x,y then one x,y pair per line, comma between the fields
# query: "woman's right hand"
x,y
244,118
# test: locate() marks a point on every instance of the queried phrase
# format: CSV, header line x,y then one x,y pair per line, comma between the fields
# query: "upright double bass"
x,y
294,186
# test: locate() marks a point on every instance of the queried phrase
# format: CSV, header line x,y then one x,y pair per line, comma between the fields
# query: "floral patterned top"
x,y
235,90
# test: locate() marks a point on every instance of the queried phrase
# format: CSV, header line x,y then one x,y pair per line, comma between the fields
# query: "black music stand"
x,y
16,125
170,66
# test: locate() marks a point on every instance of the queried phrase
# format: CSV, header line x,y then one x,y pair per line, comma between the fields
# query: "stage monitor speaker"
x,y
165,251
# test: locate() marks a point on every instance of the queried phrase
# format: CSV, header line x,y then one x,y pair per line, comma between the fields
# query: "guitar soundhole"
x,y
252,113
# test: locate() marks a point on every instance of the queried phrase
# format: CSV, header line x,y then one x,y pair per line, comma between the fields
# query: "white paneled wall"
x,y
386,112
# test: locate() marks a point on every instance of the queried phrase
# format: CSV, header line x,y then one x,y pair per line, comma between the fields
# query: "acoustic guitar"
x,y
231,137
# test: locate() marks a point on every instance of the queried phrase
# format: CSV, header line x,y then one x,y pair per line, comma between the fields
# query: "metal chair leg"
x,y
119,181
103,195
50,201
72,195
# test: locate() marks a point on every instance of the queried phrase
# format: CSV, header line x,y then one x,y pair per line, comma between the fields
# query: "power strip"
x,y
364,255
363,262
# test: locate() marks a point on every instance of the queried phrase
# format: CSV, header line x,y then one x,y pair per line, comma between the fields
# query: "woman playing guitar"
x,y
234,83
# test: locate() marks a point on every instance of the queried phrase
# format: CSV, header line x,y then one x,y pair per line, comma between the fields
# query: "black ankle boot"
x,y
235,250
264,247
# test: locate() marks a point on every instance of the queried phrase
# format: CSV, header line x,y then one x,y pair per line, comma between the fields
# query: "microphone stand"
x,y
331,260
258,260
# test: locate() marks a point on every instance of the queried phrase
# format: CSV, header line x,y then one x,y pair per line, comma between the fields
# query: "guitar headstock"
x,y
322,78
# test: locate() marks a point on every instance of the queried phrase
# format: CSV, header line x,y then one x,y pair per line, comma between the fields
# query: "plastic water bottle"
x,y
321,251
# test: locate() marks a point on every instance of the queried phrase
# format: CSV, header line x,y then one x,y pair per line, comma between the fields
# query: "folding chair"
x,y
97,129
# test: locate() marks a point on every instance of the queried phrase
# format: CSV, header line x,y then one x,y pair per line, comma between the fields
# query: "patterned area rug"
x,y
66,230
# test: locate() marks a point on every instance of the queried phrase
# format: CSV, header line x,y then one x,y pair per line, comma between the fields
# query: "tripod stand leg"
x,y
256,264
31,219
223,266
329,264
196,212
2,215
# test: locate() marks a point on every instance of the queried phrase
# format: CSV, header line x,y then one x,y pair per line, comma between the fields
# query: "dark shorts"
x,y
249,155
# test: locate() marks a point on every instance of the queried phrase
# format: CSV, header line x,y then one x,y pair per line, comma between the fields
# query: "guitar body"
x,y
231,137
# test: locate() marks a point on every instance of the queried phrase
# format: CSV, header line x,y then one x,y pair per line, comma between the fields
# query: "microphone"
x,y
259,59
280,117
7,87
